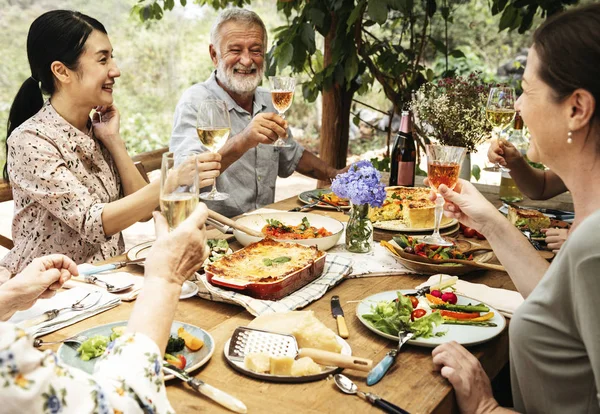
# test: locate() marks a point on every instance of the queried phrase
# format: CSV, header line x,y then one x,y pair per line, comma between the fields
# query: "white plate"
x,y
399,225
464,335
306,198
239,366
188,289
68,354
258,221
141,251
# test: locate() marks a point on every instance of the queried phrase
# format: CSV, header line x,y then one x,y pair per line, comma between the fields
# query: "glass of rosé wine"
x,y
443,167
282,95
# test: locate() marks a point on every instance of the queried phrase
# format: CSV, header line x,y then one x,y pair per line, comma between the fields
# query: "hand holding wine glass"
x,y
500,111
213,127
179,186
282,94
443,167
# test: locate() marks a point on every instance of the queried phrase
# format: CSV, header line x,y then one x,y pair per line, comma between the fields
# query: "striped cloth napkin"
x,y
336,268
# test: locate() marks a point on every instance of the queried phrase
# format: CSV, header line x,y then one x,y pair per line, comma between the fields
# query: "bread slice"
x,y
530,219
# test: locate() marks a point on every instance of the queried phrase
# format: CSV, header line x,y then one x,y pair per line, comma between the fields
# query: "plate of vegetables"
x,y
189,346
434,318
430,259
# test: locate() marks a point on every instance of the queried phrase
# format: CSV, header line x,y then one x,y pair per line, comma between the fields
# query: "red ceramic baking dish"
x,y
272,289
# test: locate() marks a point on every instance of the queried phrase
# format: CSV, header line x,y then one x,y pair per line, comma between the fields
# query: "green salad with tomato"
x,y
402,314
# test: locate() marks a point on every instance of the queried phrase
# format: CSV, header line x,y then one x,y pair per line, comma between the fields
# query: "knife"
x,y
203,388
110,266
338,314
379,370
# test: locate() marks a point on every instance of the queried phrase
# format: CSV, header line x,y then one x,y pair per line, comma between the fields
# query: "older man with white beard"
x,y
250,163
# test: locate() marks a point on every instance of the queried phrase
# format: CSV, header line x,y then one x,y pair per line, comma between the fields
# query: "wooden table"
x,y
411,383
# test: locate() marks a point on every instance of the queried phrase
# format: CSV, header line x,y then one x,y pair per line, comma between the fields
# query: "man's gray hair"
x,y
237,15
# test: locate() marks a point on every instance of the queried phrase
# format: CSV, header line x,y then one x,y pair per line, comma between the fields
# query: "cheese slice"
x,y
281,365
258,362
305,366
303,325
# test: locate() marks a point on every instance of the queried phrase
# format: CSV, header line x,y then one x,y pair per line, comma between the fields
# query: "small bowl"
x,y
258,221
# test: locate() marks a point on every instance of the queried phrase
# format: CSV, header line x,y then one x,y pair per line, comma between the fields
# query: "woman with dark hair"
x,y
555,335
74,185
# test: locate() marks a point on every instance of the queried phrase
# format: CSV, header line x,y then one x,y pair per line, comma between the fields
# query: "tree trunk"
x,y
335,121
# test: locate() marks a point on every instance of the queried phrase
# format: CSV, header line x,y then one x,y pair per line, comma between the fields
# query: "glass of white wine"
x,y
282,95
500,111
179,187
213,127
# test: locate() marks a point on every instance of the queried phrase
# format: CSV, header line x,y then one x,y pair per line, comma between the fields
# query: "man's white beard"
x,y
244,85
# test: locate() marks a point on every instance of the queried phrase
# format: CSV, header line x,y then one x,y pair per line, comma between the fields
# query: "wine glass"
x,y
213,127
500,111
179,186
443,167
282,95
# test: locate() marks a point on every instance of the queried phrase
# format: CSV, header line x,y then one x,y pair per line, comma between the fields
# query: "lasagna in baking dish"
x,y
265,261
408,205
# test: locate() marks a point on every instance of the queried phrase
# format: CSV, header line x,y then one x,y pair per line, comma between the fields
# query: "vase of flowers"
x,y
362,186
452,111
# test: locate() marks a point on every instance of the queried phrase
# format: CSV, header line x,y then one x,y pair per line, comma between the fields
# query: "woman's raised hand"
x,y
106,123
469,206
176,255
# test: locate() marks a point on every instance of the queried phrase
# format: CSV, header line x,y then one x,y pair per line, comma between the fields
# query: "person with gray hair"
x,y
250,164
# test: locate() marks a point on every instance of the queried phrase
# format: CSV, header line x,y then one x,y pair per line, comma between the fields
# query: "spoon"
x,y
347,386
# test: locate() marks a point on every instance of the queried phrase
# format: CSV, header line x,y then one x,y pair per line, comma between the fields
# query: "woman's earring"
x,y
570,138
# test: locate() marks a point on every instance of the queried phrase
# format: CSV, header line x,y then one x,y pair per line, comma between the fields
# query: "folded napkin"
x,y
505,301
116,279
378,262
336,267
63,299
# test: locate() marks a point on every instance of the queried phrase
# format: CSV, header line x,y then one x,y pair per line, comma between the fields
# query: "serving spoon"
x,y
348,387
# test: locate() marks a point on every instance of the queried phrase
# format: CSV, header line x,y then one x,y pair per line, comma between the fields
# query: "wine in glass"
x,y
282,95
500,111
179,186
213,127
443,167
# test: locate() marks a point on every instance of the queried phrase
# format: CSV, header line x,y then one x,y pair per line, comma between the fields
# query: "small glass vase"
x,y
359,230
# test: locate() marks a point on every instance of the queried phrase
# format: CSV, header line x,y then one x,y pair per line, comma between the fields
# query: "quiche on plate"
x,y
406,208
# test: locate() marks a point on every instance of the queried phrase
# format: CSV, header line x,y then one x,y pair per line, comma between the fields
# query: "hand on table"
x,y
264,128
471,384
555,238
176,255
468,206
40,279
502,152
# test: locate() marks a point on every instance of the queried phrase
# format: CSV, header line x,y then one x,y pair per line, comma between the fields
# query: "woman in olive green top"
x,y
555,334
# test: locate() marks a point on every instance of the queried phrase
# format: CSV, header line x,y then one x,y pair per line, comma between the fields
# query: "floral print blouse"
x,y
127,378
61,179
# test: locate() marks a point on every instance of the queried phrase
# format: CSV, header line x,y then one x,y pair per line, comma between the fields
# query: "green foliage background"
x,y
160,59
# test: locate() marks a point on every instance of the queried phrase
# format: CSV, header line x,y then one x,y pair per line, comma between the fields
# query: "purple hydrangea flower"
x,y
361,185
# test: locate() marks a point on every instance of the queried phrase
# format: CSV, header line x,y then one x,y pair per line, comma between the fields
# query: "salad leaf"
x,y
392,317
93,347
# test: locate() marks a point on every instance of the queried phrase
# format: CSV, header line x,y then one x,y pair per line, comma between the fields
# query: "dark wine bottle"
x,y
404,155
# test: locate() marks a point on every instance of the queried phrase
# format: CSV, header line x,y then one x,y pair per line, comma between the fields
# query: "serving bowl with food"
x,y
302,228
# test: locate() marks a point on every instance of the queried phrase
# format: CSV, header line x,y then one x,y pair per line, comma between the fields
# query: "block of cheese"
x,y
305,366
281,365
306,328
258,362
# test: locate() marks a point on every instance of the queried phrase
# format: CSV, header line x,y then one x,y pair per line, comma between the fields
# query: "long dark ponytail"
x,y
58,35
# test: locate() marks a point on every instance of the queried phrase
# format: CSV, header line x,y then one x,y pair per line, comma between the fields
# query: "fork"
x,y
534,243
53,313
78,339
306,206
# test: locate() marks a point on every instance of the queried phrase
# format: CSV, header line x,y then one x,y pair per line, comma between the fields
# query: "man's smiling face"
x,y
239,57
